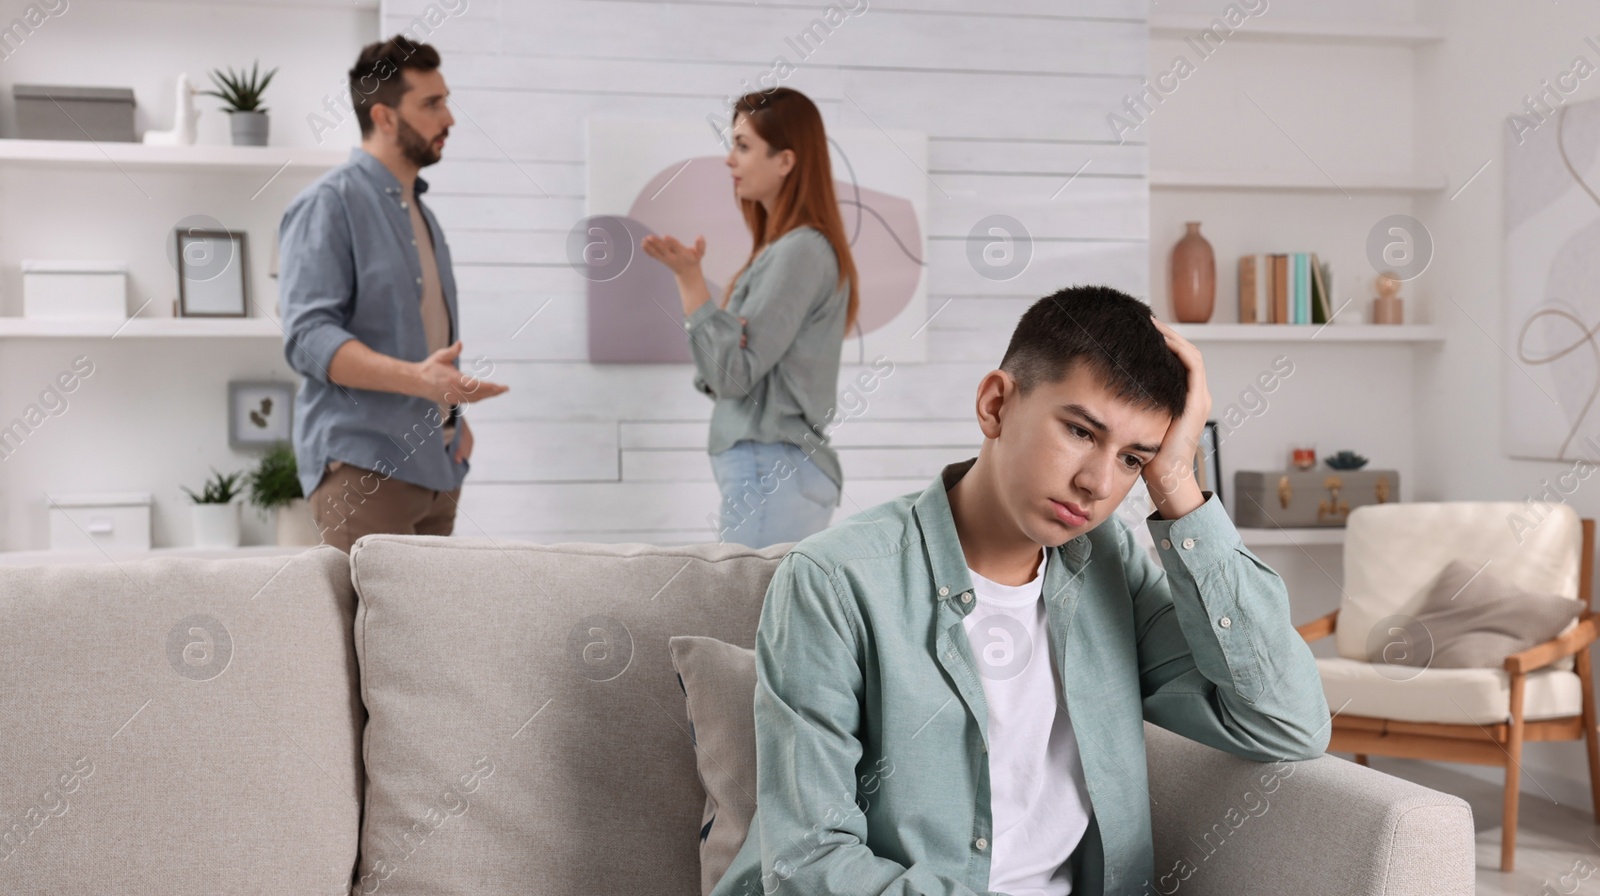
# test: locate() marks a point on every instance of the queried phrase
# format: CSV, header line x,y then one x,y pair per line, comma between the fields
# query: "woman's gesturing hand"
x,y
675,255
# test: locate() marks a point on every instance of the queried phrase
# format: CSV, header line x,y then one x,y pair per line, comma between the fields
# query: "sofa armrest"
x,y
1226,825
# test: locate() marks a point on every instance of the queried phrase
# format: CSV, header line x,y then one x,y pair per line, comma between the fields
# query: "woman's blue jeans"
x,y
772,493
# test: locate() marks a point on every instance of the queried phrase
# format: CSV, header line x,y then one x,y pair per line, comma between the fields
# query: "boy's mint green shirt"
x,y
871,725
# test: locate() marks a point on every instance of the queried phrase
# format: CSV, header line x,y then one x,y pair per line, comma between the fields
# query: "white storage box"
x,y
108,521
75,289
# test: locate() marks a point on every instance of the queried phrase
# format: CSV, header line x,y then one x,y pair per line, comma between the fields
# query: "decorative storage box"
x,y
1289,499
110,521
45,112
77,289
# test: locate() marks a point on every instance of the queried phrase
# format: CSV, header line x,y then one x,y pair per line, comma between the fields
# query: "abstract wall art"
x,y
1552,217
667,177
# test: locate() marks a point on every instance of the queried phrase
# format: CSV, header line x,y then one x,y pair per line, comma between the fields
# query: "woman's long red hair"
x,y
787,119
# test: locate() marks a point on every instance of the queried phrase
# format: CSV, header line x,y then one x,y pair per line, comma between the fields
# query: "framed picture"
x,y
1207,463
213,276
260,414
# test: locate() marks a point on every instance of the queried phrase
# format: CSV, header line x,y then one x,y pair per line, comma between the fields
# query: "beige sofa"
x,y
466,716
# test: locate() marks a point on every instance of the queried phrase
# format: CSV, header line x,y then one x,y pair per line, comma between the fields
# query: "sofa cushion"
x,y
1471,619
1453,696
179,725
526,728
719,687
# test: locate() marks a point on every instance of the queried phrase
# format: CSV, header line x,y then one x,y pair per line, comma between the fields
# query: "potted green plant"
x,y
274,485
247,118
216,517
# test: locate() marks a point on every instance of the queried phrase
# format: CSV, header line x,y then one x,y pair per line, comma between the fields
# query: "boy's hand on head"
x,y
1170,475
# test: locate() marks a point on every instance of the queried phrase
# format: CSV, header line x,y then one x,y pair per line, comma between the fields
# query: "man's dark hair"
x,y
376,76
1107,331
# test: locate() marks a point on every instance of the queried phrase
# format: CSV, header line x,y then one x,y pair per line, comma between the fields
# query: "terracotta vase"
x,y
1194,277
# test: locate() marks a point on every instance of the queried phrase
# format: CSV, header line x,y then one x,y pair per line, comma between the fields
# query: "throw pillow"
x,y
719,683
1472,619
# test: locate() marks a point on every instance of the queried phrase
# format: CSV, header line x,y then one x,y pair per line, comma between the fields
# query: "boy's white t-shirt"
x,y
1038,798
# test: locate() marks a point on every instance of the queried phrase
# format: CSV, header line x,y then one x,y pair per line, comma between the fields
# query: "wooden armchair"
x,y
1480,716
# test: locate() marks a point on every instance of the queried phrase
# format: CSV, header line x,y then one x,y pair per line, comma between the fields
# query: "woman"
x,y
769,354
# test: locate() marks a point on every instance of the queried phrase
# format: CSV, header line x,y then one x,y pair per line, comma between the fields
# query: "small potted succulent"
x,y
275,485
216,517
247,118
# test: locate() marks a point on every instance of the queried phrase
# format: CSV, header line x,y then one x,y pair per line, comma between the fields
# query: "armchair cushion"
x,y
1473,619
1451,696
1393,554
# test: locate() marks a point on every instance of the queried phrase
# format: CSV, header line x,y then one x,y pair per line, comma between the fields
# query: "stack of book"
x,y
1288,288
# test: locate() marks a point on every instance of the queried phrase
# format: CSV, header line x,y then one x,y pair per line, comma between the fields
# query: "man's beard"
x,y
418,150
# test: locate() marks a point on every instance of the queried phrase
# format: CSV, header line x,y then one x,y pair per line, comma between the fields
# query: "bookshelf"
x,y
142,328
1285,140
1269,538
100,154
1294,182
1334,332
1274,28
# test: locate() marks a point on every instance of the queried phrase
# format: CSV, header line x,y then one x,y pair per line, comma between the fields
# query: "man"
x,y
952,686
369,313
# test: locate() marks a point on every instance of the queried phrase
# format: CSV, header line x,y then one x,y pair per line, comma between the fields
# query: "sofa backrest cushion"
x,y
179,725
526,728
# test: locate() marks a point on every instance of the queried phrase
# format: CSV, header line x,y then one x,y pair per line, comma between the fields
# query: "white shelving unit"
x,y
265,162
1265,538
142,328
1167,181
1271,27
62,558
1334,332
1258,189
80,153
1295,182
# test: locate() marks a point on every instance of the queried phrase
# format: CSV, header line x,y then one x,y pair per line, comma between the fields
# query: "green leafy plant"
x,y
240,91
276,480
219,489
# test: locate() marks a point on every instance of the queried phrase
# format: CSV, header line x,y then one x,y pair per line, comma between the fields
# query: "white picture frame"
x,y
260,414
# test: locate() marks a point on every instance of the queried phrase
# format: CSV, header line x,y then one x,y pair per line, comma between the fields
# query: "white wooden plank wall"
x,y
1013,97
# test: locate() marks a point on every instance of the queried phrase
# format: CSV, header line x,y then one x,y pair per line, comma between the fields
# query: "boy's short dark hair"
x,y
376,77
1107,331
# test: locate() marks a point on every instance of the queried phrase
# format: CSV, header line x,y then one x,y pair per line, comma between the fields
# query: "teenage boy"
x,y
952,686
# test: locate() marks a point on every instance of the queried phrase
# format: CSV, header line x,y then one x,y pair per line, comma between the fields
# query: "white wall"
x,y
153,416
1013,104
1469,85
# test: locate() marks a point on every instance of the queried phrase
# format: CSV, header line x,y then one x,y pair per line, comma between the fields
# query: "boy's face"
x,y
1068,453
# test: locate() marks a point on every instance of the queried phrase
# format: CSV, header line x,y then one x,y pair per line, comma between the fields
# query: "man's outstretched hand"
x,y
437,378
